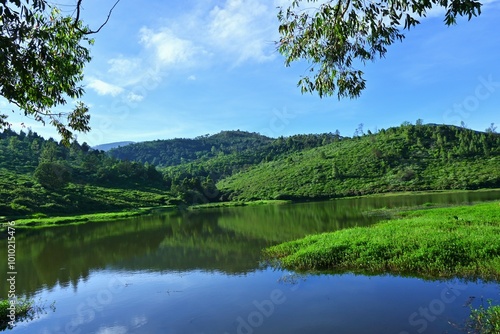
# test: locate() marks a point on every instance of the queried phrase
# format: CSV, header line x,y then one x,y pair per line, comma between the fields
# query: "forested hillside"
x,y
42,176
405,158
194,182
39,176
180,150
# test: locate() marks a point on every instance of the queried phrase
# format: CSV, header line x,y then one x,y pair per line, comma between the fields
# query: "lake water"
x,y
199,272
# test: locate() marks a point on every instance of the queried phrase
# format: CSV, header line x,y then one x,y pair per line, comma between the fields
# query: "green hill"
x,y
406,158
172,152
195,181
39,176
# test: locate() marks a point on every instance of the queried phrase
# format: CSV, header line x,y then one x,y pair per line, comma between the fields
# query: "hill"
x,y
109,146
194,181
40,176
405,158
172,152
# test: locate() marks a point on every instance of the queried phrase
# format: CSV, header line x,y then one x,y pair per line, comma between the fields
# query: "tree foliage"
x,y
339,35
52,175
39,175
42,56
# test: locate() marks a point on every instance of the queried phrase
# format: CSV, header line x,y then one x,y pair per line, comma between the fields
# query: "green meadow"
x,y
449,242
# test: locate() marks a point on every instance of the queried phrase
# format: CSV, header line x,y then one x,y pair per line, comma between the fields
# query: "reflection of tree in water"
x,y
65,255
26,310
228,240
196,241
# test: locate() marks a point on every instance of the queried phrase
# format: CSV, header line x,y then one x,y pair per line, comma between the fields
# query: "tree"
x,y
491,129
339,34
42,56
49,152
52,175
359,130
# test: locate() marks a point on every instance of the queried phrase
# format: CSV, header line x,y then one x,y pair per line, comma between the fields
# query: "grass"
x,y
39,220
449,242
42,220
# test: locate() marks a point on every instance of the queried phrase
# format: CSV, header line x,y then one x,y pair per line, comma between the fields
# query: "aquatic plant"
x,y
484,320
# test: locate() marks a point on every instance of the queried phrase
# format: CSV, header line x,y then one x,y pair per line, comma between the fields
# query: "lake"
x,y
199,272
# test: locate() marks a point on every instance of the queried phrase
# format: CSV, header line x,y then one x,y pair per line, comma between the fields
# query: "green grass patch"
x,y
434,243
93,217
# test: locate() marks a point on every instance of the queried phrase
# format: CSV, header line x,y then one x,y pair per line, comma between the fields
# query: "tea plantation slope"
x,y
406,158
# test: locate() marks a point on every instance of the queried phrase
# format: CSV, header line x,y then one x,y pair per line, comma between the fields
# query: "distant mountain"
x,y
109,146
171,152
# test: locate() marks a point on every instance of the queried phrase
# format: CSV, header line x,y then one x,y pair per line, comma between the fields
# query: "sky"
x,y
181,69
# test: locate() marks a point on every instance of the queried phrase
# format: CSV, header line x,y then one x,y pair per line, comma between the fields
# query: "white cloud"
x,y
439,11
4,103
123,66
168,48
228,32
245,28
113,330
132,97
104,88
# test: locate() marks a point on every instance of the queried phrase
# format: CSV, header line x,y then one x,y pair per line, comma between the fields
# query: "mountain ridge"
x,y
42,176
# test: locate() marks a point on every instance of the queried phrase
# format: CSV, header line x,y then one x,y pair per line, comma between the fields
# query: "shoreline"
x,y
84,218
437,243
56,220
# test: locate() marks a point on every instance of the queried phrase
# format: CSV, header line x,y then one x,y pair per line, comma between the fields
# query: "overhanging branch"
x,y
90,32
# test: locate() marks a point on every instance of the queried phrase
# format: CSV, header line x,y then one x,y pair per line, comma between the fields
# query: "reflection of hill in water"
x,y
226,240
278,223
63,255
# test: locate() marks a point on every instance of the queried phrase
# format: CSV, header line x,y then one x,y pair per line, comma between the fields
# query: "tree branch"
x,y
90,32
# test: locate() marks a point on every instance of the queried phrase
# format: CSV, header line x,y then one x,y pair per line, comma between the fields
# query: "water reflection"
x,y
226,240
198,272
257,302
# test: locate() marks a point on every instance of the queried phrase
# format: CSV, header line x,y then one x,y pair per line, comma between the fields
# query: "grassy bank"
x,y
43,221
436,243
420,192
238,203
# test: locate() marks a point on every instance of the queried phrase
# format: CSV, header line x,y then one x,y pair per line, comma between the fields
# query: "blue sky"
x,y
187,68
